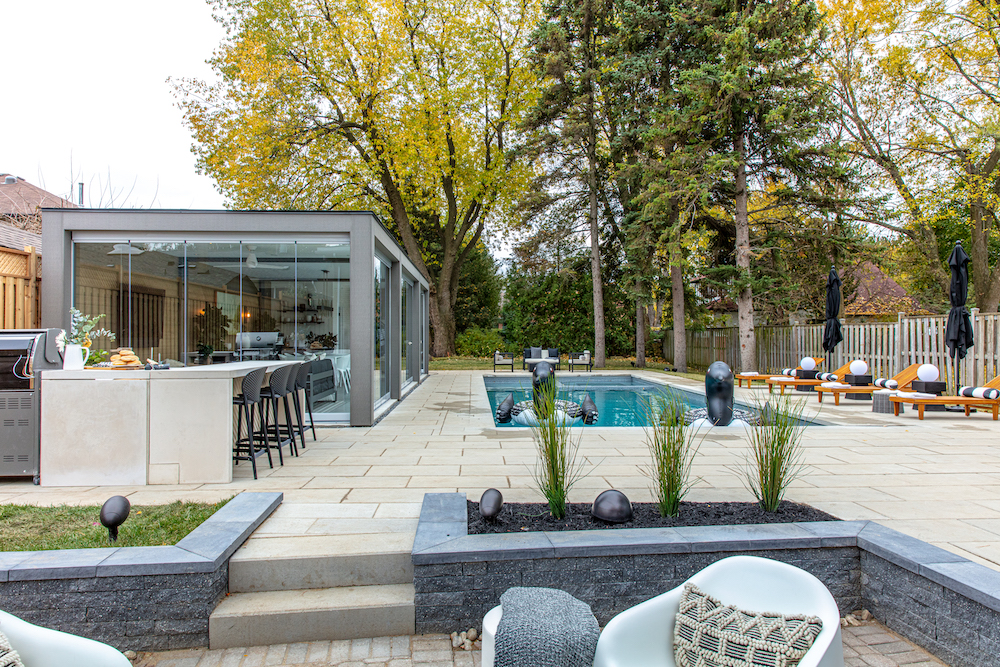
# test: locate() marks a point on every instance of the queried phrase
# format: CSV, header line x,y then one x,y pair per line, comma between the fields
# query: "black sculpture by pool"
x,y
719,393
527,413
113,514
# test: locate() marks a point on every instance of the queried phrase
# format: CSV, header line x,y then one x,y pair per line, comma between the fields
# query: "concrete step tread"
x,y
312,546
316,599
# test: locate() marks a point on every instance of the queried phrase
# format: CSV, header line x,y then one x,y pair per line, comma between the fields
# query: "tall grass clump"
x,y
672,445
775,457
557,468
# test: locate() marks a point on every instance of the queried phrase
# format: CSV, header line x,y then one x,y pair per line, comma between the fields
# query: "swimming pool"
x,y
620,399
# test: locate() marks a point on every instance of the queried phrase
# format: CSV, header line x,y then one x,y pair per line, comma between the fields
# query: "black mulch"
x,y
517,517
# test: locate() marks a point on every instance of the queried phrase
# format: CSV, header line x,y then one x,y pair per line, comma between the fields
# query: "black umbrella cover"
x,y
831,332
958,333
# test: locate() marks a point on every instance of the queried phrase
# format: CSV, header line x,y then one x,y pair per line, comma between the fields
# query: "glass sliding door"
x,y
157,301
324,331
409,328
214,307
380,381
267,300
101,287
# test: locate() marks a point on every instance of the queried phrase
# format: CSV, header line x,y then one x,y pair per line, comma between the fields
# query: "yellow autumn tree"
x,y
404,107
919,82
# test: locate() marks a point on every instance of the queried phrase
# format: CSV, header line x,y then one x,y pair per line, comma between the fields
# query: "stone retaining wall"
x,y
939,600
138,598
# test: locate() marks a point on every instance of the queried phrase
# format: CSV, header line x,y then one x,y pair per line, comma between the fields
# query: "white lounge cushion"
x,y
835,385
784,379
750,373
914,394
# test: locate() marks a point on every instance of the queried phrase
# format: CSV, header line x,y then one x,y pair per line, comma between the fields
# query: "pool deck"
x,y
936,479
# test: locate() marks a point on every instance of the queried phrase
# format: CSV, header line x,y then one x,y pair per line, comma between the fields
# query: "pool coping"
x,y
203,550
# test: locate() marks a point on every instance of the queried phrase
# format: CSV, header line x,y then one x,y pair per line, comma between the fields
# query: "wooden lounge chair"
x,y
968,402
905,378
740,377
776,381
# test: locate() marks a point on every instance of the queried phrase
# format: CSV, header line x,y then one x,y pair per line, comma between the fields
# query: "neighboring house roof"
x,y
878,294
23,198
12,237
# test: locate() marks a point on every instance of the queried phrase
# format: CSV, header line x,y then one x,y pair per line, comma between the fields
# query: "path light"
x,y
928,373
808,364
858,367
113,514
490,504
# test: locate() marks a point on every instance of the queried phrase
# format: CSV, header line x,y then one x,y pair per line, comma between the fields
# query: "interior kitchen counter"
x,y
137,427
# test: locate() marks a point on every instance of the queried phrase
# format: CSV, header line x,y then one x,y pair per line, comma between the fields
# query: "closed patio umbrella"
x,y
831,332
958,333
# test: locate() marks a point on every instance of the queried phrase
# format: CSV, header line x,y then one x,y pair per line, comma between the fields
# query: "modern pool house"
x,y
190,288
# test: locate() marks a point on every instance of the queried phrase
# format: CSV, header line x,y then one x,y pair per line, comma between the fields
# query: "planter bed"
x,y
945,603
138,598
522,517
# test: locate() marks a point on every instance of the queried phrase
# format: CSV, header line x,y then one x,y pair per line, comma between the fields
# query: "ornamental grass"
x,y
672,446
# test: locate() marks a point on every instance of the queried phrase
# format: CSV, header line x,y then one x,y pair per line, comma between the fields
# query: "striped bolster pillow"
x,y
886,384
827,377
979,392
788,371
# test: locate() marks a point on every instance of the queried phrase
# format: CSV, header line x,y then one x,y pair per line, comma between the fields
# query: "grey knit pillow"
x,y
8,656
710,634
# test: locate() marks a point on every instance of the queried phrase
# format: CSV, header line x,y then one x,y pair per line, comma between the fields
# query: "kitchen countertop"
x,y
234,369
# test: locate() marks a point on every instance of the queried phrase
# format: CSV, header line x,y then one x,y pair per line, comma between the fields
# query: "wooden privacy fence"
x,y
887,347
20,289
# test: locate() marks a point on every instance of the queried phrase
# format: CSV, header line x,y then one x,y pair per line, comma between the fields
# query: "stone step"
x,y
285,617
322,561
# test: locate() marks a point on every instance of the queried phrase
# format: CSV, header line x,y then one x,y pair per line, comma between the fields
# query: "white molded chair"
x,y
634,638
747,582
42,647
342,362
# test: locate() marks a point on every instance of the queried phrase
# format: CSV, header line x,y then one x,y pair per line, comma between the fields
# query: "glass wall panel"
x,y
407,373
213,301
267,300
101,287
381,378
324,318
157,301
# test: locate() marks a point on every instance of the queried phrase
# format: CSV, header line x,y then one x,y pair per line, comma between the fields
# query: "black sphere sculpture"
x,y
543,377
719,393
113,514
490,504
612,506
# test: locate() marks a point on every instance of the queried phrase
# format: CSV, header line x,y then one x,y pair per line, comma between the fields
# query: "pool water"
x,y
620,399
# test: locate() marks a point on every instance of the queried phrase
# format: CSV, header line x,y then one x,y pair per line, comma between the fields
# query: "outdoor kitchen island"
x,y
138,427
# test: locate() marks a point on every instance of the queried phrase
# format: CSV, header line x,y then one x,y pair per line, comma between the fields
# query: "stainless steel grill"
x,y
24,353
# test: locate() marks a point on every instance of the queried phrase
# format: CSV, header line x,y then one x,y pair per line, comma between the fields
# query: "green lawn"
x,y
29,528
486,364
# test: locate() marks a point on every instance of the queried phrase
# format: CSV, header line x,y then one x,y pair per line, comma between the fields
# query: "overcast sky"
x,y
85,95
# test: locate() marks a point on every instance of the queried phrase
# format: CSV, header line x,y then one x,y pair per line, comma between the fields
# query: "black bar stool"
x,y
246,448
302,384
276,389
293,410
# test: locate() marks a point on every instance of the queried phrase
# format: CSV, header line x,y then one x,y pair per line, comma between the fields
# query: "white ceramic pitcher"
x,y
74,357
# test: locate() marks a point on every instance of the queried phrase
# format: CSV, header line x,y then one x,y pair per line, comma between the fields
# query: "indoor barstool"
x,y
276,389
302,384
246,448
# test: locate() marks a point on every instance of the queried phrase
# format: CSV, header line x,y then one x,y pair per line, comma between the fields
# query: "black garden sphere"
x,y
113,514
612,506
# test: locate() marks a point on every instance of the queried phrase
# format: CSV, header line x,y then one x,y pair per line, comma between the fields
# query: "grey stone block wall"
x,y
138,598
452,596
958,630
141,613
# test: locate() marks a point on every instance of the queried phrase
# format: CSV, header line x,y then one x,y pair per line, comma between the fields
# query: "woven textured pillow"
x,y
708,633
8,656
